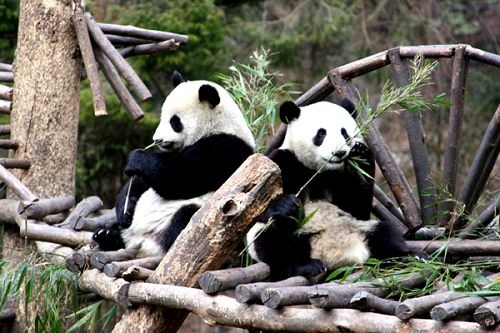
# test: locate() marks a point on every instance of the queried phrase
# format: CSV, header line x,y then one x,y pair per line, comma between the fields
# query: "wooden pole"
x,y
215,229
131,31
416,138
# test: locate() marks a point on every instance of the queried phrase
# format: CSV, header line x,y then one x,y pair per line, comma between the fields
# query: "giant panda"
x,y
319,141
202,138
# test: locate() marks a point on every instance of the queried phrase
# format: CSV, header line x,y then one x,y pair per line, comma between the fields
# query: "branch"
x,y
39,209
131,31
488,315
251,292
134,50
458,247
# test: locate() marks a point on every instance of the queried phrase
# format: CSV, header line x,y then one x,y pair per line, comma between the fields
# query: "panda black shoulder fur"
x,y
202,139
320,138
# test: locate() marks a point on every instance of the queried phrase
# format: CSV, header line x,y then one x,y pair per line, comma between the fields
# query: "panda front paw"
x,y
287,206
108,238
314,269
359,149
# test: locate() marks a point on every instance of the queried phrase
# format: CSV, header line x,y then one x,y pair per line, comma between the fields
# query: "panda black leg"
x,y
177,224
386,242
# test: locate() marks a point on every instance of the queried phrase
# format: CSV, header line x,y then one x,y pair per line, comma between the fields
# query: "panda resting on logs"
x,y
320,138
201,140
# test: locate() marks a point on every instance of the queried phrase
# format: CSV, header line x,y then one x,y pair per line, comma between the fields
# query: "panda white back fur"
x,y
201,140
320,138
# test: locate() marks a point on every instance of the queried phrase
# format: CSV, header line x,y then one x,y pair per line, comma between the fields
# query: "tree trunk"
x,y
44,118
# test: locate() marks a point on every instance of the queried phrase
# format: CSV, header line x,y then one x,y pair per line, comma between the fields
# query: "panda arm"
x,y
195,170
127,199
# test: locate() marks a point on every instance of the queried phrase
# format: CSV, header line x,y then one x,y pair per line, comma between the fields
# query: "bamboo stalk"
x,y
481,168
118,86
416,139
491,211
215,281
6,92
482,56
131,31
126,71
91,68
135,50
5,107
15,163
458,247
6,77
392,173
458,81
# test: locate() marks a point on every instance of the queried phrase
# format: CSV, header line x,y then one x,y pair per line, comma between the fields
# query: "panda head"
x,y
197,109
321,134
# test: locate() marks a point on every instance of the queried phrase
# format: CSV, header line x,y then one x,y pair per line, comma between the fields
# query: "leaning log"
x,y
215,229
215,281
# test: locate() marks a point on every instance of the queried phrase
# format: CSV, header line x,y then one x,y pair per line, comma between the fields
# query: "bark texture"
x,y
46,96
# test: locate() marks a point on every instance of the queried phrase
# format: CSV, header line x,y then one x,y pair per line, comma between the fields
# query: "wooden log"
x,y
109,288
118,86
215,229
6,92
361,66
481,168
92,223
77,261
430,233
251,292
131,31
428,51
458,247
482,56
462,306
91,68
54,252
55,218
419,305
282,296
5,106
47,233
6,67
394,176
226,311
15,163
383,213
366,301
384,199
135,50
84,208
6,77
330,297
4,129
100,258
16,186
134,273
488,314
450,167
118,40
416,138
126,71
491,211
38,209
116,268
215,281
8,144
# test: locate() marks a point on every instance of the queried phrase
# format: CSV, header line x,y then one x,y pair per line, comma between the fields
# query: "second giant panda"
x,y
202,138
320,138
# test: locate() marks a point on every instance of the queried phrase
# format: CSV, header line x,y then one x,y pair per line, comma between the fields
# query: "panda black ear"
x,y
289,111
209,93
176,78
350,107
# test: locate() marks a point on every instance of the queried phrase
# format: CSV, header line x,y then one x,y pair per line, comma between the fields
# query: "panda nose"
x,y
340,154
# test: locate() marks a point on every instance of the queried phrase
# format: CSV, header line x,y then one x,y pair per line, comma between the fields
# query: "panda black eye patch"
x,y
176,124
345,135
319,137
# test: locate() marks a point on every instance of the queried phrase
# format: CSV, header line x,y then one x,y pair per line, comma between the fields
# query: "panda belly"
x,y
152,220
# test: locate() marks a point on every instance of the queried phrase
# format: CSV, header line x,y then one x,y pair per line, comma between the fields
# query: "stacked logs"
x,y
104,46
